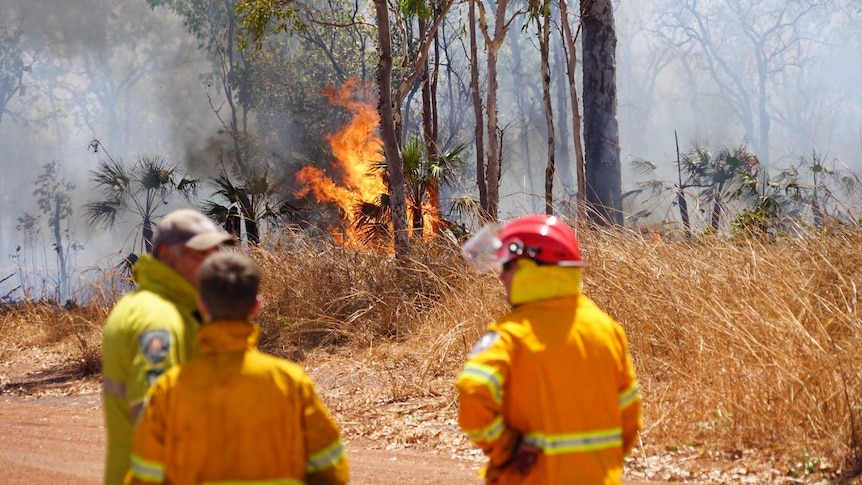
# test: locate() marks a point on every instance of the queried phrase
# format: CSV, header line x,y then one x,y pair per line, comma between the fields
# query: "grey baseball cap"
x,y
191,228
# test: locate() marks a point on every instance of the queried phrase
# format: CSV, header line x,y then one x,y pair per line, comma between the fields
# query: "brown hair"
x,y
228,283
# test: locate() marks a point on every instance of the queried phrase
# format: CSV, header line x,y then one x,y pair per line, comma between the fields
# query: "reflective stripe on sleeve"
x,y
576,442
485,375
147,470
113,388
325,458
629,396
487,434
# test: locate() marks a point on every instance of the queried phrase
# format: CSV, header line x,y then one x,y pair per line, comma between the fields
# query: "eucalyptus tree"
x,y
540,11
570,54
13,67
494,38
96,58
259,15
748,49
141,190
602,168
215,24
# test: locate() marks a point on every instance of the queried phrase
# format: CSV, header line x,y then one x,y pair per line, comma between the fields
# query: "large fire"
x,y
357,150
358,153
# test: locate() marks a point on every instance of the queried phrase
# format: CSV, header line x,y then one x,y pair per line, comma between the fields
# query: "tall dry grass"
x,y
738,344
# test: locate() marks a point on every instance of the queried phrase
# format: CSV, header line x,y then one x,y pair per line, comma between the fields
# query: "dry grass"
x,y
738,344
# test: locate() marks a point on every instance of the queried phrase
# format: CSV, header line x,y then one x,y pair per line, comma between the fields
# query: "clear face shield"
x,y
480,251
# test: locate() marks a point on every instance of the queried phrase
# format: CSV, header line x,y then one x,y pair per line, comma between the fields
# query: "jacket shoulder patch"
x,y
486,341
154,345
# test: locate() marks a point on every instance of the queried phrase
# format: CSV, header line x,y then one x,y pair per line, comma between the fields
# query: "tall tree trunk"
x,y
147,234
544,34
525,98
394,164
481,182
564,157
493,45
601,130
680,191
571,50
56,219
494,168
427,135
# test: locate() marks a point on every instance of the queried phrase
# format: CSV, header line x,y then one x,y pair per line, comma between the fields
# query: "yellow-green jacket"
x,y
147,332
236,415
558,372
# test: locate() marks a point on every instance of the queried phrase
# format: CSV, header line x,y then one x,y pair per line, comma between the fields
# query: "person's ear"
x,y
255,309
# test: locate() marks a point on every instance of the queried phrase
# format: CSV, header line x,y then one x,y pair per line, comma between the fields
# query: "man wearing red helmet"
x,y
549,393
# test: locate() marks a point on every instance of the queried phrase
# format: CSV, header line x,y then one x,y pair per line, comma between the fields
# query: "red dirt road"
x,y
61,440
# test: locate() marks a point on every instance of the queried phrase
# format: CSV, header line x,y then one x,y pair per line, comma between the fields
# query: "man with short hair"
x,y
235,414
153,328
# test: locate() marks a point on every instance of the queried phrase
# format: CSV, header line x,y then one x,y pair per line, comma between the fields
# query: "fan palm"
x,y
422,178
140,191
251,203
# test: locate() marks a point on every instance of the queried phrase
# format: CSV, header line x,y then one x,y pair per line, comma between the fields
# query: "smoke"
x,y
134,79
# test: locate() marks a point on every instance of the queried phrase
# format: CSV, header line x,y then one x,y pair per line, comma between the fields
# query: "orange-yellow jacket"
x,y
236,415
558,373
148,331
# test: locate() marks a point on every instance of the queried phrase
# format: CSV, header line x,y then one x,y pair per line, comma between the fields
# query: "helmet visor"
x,y
480,251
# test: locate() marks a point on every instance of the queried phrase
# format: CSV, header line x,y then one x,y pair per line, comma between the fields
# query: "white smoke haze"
x,y
134,79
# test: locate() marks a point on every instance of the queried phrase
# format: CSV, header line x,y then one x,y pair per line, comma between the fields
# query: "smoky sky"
x,y
132,78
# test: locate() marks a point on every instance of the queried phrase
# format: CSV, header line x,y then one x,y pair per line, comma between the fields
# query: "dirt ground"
x,y
57,436
60,439
51,431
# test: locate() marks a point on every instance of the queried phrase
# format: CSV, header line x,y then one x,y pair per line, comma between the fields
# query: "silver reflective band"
x,y
113,388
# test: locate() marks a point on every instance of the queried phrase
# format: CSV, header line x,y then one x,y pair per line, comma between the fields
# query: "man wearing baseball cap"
x,y
153,328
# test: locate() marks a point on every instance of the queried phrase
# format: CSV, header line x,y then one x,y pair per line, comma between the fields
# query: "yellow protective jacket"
x,y
147,332
236,415
556,373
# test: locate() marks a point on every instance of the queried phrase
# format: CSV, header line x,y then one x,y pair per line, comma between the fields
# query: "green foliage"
x,y
261,17
805,466
416,8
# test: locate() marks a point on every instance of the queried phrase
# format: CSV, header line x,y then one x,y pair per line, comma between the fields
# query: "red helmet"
x,y
545,239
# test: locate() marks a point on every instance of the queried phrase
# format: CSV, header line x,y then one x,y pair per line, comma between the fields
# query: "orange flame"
x,y
357,150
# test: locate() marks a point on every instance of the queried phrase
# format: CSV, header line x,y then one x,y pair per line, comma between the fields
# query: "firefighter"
x,y
549,392
235,414
152,328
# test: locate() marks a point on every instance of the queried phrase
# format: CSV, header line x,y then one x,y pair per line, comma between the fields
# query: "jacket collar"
x,y
227,336
153,275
